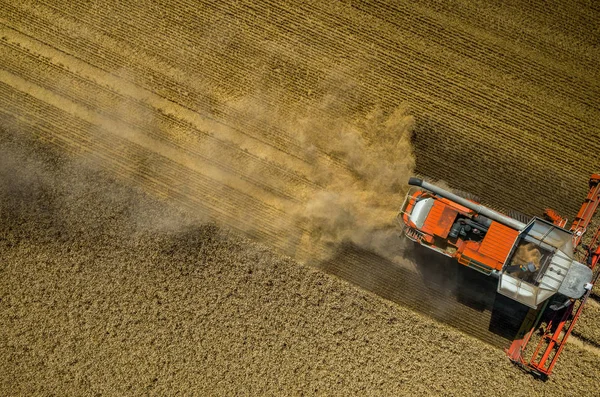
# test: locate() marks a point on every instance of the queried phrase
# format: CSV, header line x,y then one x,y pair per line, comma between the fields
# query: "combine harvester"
x,y
534,261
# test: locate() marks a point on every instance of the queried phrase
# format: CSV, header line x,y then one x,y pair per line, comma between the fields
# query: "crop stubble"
x,y
587,326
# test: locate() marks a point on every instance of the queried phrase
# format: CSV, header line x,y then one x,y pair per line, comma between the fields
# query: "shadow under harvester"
x,y
440,288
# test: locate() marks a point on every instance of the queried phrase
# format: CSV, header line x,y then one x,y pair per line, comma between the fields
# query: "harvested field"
x,y
587,327
294,125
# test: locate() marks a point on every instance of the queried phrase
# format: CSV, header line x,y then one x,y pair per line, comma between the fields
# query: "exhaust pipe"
x,y
478,208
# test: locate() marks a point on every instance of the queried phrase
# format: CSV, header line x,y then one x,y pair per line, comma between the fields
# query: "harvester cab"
x,y
541,265
532,261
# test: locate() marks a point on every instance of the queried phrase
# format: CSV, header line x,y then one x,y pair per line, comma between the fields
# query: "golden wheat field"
x,y
199,197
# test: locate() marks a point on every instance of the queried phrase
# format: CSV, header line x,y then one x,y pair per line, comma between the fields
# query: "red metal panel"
x,y
440,219
497,242
433,218
587,210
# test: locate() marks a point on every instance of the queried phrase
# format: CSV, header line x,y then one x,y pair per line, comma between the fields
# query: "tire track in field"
x,y
67,60
516,107
202,123
286,212
190,96
74,135
270,134
156,176
546,118
167,87
513,107
116,85
128,130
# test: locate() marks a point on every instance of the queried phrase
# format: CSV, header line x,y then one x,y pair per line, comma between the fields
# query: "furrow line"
x,y
394,46
155,181
17,67
275,139
189,172
436,25
277,142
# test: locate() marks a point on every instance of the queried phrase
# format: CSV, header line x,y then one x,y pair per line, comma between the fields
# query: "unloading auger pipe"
x,y
478,208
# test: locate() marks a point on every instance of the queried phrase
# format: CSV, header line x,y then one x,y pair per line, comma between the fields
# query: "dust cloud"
x,y
339,175
360,163
34,172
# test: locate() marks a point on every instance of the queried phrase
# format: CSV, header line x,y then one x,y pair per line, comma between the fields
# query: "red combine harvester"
x,y
533,261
